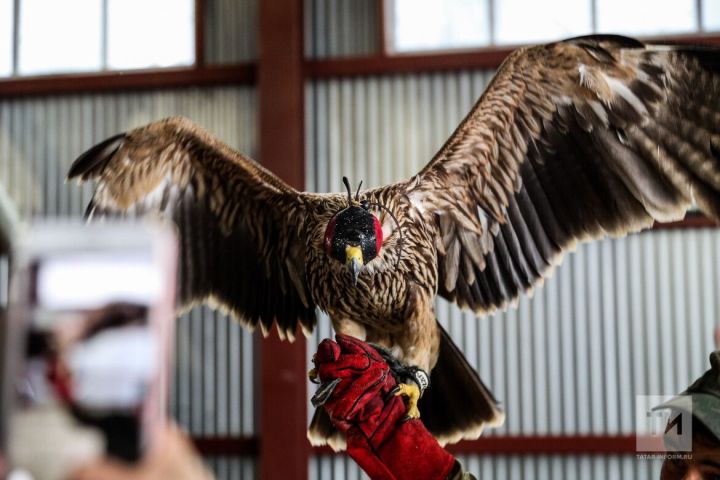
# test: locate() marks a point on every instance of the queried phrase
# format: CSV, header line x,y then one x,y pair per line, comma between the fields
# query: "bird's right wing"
x,y
239,225
571,141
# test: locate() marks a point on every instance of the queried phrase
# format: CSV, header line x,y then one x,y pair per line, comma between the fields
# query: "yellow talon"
x,y
411,391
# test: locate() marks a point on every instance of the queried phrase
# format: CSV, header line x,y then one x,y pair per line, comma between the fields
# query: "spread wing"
x,y
571,141
238,223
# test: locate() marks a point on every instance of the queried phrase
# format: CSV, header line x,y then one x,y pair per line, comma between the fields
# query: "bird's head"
x,y
354,235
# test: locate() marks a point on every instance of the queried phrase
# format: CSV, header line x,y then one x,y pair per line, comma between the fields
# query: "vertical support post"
x,y
284,450
199,33
383,15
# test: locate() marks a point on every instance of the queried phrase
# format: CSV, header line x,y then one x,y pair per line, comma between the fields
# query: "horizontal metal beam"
x,y
406,63
553,444
243,74
542,445
691,220
490,445
230,446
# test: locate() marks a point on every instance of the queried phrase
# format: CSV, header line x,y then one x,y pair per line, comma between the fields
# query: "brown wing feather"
x,y
239,224
571,141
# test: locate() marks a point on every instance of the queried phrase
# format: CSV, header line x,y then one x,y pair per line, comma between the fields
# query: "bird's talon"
x,y
413,393
413,412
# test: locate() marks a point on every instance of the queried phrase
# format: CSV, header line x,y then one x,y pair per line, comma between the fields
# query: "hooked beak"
x,y
354,261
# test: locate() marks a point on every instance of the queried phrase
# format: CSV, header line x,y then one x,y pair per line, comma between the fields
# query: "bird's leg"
x,y
412,392
419,344
417,380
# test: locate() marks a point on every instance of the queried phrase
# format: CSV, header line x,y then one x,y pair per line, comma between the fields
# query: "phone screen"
x,y
95,308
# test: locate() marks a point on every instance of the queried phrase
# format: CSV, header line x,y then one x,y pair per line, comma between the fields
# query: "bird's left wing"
x,y
571,141
239,225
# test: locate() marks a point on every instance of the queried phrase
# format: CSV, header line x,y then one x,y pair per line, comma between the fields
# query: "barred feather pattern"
x,y
571,141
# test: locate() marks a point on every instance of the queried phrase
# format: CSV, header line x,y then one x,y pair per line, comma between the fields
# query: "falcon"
x,y
571,141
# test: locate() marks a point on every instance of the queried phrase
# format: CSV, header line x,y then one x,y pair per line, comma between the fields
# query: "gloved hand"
x,y
358,392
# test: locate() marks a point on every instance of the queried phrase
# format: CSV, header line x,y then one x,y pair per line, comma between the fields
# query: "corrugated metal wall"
x,y
39,138
618,318
544,467
338,28
230,31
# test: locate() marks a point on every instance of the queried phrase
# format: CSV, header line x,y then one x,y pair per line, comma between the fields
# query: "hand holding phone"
x,y
90,330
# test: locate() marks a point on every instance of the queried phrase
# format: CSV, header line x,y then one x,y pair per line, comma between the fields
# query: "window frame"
x,y
197,74
198,45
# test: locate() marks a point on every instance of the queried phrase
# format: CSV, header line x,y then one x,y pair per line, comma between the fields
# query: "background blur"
x,y
384,85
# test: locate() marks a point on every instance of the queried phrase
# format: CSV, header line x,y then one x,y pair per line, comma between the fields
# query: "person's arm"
x,y
358,392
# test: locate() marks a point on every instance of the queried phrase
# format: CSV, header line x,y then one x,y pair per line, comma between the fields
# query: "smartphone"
x,y
87,344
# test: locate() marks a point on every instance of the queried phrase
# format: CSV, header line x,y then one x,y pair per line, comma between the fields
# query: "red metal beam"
x,y
406,63
382,15
199,33
551,444
227,446
129,80
691,220
490,445
542,445
284,451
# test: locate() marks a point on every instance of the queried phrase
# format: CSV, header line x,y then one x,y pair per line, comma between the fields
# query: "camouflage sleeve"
x,y
459,474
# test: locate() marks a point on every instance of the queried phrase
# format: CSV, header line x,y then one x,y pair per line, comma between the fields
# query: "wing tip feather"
x,y
95,158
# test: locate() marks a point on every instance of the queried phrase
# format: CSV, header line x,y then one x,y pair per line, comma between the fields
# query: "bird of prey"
x,y
571,141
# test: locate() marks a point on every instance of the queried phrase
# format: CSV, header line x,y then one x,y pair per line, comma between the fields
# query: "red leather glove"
x,y
358,392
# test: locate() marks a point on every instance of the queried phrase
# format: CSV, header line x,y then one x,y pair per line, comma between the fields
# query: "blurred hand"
x,y
174,458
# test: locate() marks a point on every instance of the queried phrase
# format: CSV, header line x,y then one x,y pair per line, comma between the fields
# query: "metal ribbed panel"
x,y
232,468
230,31
338,28
555,466
618,317
335,467
541,467
39,138
382,129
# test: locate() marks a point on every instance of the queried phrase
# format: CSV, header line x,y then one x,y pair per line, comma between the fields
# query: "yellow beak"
x,y
354,261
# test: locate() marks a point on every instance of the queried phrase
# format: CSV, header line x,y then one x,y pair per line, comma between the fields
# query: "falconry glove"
x,y
358,391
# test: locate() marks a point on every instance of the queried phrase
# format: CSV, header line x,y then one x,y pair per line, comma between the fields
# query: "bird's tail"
x,y
456,406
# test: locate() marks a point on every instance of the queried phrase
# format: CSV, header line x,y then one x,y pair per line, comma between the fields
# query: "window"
x,y
61,36
446,24
711,15
51,40
163,36
647,17
427,24
6,37
523,21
